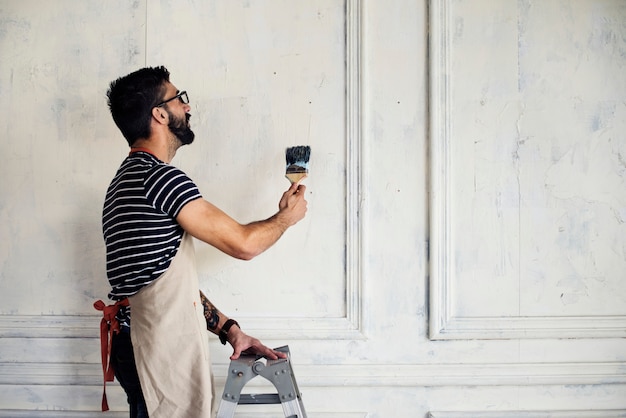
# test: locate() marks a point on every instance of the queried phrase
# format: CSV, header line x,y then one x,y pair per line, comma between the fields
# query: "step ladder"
x,y
278,372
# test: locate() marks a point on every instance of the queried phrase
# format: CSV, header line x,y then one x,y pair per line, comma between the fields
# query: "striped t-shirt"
x,y
139,221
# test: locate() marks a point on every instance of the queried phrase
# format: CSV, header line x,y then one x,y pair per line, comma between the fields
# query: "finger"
x,y
293,188
274,354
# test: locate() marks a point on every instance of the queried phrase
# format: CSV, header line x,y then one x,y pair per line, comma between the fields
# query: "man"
x,y
151,211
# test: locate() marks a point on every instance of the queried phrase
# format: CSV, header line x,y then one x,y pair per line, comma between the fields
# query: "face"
x,y
178,116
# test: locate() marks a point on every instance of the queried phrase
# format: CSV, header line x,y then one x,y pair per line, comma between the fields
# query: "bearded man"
x,y
151,212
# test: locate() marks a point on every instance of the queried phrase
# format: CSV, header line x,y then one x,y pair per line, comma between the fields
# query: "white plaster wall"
x,y
537,131
466,196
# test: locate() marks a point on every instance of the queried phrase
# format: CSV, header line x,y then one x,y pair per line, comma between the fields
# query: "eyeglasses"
x,y
182,96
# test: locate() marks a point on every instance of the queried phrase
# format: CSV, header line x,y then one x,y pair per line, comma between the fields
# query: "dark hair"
x,y
132,97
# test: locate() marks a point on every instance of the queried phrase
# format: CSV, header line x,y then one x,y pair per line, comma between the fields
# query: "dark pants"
x,y
123,363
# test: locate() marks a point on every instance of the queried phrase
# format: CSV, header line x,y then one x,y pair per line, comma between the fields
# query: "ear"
x,y
160,115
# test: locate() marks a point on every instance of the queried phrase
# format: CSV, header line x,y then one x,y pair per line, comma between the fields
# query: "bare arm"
x,y
208,223
239,340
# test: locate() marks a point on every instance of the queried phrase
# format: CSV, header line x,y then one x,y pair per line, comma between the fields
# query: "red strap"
x,y
108,325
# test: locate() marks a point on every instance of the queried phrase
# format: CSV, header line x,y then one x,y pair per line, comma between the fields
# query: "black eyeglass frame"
x,y
182,96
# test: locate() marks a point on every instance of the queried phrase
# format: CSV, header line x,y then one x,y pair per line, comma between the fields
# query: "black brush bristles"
x,y
297,162
298,155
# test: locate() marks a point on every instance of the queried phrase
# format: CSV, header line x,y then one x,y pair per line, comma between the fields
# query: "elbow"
x,y
246,253
246,245
245,256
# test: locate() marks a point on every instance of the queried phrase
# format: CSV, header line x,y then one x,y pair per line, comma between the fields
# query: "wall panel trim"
x,y
87,326
608,413
113,414
347,327
354,164
526,374
443,324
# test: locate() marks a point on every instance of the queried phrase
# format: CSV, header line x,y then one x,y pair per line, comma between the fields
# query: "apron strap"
x,y
108,326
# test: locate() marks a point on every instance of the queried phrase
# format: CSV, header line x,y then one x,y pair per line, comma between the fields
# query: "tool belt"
x,y
109,326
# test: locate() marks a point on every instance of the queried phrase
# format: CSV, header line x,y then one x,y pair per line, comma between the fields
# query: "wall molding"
x,y
87,326
15,413
370,375
20,413
354,165
444,325
607,413
348,327
34,380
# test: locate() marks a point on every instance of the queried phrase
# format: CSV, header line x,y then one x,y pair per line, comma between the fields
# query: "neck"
x,y
141,149
163,150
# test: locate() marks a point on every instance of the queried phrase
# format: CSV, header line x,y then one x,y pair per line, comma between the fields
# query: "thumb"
x,y
236,354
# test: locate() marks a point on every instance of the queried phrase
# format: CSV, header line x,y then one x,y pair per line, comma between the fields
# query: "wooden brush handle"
x,y
295,177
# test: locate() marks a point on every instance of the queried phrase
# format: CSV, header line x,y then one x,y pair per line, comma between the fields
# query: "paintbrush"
x,y
297,162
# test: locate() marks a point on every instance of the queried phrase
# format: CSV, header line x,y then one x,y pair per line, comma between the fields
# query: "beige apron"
x,y
170,341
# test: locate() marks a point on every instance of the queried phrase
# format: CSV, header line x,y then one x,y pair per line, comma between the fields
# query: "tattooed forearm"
x,y
211,313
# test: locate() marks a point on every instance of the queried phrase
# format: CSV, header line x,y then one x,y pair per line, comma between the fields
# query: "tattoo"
x,y
211,313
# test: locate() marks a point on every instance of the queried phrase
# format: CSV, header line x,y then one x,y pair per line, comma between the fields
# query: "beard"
x,y
180,128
